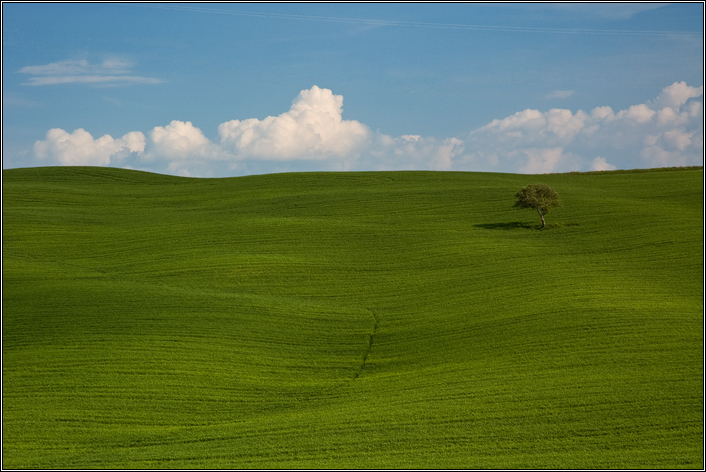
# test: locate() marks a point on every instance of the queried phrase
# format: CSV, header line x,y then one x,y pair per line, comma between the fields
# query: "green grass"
x,y
351,320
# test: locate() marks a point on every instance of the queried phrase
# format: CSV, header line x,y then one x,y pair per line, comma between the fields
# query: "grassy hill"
x,y
351,320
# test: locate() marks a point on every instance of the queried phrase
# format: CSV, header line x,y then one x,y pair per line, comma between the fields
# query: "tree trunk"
x,y
544,225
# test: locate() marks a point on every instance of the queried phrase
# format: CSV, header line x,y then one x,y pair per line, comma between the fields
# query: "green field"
x,y
351,320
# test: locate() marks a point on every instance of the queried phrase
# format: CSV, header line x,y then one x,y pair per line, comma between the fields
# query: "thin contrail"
x,y
415,24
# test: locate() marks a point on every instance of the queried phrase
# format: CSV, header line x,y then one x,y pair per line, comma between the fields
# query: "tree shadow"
x,y
508,226
520,225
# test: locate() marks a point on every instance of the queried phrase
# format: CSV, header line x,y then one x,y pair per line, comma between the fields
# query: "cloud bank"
x,y
312,135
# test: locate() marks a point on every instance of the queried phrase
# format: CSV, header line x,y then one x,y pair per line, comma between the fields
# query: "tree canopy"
x,y
539,197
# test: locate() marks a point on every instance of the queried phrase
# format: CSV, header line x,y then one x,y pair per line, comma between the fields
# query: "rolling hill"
x,y
351,320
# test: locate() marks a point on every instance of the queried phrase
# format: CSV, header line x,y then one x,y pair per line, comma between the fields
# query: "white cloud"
x,y
530,120
182,149
599,113
559,94
312,135
677,139
676,95
555,127
564,125
638,113
543,160
410,152
112,71
665,132
110,66
313,128
599,163
79,148
179,140
92,79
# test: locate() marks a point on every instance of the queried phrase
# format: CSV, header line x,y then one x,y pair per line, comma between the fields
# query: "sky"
x,y
232,89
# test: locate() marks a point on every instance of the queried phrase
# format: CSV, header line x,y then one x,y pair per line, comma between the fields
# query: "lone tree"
x,y
538,196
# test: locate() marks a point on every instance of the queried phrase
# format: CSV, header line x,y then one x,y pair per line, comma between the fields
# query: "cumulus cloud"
x,y
676,95
183,148
638,113
313,128
80,149
312,135
667,131
111,71
600,163
179,140
411,152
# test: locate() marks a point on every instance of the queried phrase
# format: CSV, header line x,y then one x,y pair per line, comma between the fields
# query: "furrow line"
x,y
369,347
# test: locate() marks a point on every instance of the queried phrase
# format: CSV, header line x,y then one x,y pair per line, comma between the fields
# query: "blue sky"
x,y
229,89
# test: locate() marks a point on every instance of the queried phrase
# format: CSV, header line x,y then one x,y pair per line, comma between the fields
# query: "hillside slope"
x,y
337,320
